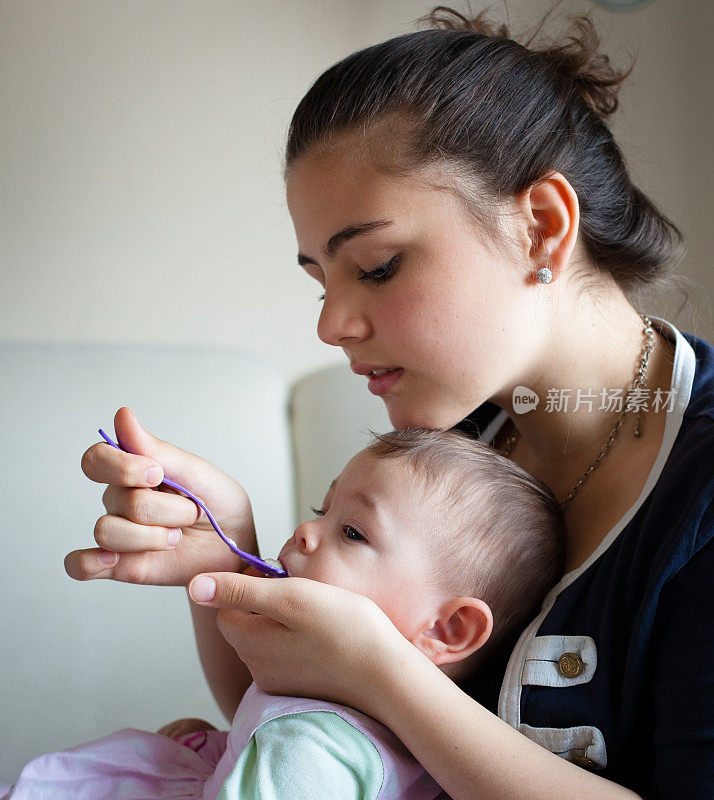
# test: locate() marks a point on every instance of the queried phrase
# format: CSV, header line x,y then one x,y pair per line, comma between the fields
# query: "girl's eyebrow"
x,y
335,242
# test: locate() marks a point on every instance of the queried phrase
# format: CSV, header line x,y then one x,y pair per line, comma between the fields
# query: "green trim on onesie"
x,y
312,755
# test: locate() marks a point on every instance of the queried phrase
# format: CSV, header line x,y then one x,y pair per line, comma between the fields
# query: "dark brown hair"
x,y
503,537
499,116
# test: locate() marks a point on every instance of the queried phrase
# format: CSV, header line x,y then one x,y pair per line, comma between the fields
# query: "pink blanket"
x,y
127,765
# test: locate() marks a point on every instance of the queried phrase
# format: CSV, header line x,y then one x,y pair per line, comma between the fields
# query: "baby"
x,y
454,542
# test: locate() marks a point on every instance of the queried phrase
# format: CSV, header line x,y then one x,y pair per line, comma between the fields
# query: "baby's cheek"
x,y
317,572
400,617
394,605
367,583
348,577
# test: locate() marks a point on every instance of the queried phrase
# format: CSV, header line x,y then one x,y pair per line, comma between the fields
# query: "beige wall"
x,y
141,146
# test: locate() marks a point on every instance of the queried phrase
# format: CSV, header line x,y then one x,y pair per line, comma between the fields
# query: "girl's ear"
x,y
462,627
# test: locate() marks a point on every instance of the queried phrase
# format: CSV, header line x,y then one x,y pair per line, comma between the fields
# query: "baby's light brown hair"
x,y
503,533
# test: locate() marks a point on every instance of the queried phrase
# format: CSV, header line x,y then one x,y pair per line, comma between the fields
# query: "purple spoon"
x,y
268,567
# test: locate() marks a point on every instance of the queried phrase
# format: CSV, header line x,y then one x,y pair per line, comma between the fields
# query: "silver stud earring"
x,y
544,275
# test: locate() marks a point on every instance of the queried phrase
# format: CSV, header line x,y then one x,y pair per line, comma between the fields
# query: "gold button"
x,y
586,763
570,665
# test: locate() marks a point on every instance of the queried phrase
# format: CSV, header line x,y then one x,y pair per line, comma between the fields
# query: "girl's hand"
x,y
180,727
134,534
308,639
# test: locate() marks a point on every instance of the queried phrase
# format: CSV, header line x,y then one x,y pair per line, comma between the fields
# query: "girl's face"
x,y
417,291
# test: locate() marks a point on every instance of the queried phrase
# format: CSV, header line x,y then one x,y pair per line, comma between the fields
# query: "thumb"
x,y
186,468
281,599
132,437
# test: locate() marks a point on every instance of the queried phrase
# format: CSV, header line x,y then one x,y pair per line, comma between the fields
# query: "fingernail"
x,y
174,536
202,588
107,558
154,475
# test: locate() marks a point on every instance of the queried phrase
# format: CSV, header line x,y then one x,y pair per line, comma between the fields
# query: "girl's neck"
x,y
593,352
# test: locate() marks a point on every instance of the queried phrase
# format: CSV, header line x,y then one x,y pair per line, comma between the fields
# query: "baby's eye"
x,y
352,534
317,511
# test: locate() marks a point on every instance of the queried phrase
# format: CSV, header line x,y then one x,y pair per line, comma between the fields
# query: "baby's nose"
x,y
306,537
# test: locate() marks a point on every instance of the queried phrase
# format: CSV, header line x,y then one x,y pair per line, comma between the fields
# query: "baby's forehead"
x,y
393,475
369,467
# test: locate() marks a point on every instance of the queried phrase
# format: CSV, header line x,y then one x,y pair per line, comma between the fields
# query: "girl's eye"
x,y
318,512
381,274
352,534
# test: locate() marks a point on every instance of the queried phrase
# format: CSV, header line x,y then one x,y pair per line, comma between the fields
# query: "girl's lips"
x,y
365,369
381,384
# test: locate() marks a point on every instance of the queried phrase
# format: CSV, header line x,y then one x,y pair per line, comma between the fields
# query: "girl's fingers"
x,y
167,567
142,568
103,463
286,600
120,535
180,465
147,507
135,464
84,565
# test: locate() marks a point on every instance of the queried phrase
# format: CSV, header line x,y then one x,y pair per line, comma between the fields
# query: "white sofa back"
x,y
83,659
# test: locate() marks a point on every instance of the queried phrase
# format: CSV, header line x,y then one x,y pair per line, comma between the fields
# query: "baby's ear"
x,y
462,627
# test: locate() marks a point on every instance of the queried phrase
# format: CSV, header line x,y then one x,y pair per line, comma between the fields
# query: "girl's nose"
x,y
341,320
306,537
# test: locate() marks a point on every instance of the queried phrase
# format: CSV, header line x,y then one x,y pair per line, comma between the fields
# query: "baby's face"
x,y
375,535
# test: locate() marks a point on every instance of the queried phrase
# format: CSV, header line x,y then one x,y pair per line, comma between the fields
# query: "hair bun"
x,y
577,58
448,19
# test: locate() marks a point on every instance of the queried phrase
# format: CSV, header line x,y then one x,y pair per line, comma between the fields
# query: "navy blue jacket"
x,y
635,700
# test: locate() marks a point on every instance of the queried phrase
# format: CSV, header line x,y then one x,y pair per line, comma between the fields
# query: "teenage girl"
x,y
461,201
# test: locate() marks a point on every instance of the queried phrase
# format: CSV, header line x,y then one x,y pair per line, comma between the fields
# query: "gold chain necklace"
x,y
640,381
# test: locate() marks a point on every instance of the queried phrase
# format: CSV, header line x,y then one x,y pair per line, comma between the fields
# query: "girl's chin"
x,y
429,417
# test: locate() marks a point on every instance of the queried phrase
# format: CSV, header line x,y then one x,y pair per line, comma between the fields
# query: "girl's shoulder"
x,y
682,500
701,401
